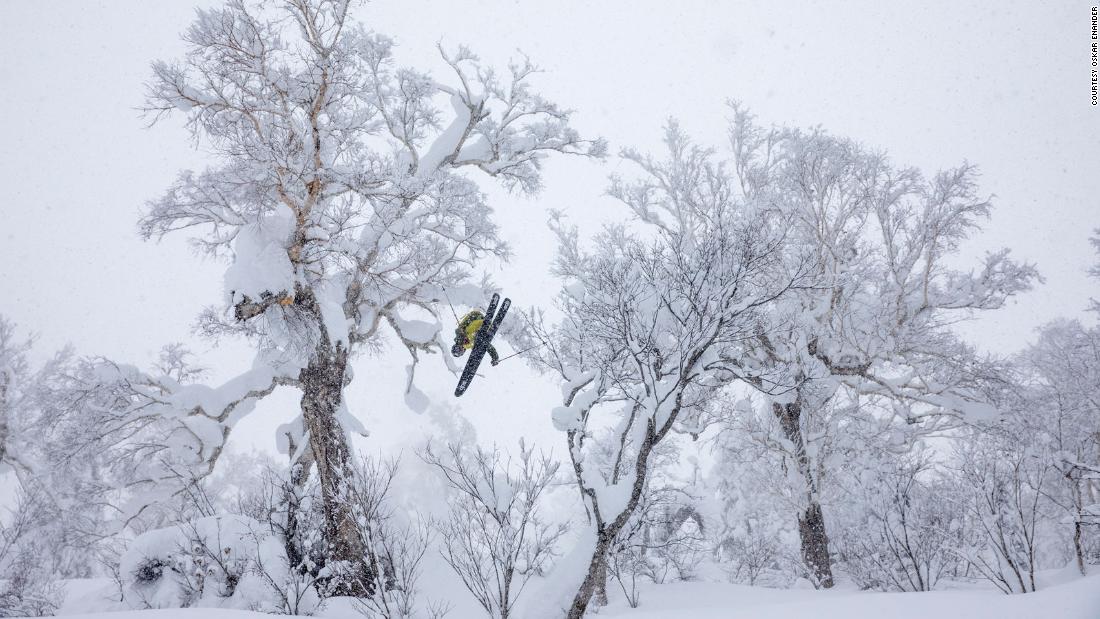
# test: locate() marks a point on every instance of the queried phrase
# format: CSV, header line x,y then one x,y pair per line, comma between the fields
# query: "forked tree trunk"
x,y
811,522
322,384
595,580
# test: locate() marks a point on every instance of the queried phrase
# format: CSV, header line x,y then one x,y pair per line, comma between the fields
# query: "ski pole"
x,y
455,314
518,353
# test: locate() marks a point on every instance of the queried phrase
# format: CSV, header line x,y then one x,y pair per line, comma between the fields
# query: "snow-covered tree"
x,y
21,389
40,446
1031,482
755,537
902,535
28,582
664,540
338,192
53,516
876,326
496,536
1062,411
1001,481
649,313
1095,269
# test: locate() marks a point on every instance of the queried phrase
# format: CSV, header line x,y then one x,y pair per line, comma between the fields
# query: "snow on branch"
x,y
305,108
648,313
345,194
508,128
159,435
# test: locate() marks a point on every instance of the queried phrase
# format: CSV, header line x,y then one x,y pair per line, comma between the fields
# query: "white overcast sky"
x,y
1001,84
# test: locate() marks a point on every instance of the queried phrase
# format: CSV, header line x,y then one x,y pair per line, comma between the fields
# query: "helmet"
x,y
457,350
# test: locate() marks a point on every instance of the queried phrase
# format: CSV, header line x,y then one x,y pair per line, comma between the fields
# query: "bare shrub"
x,y
394,550
27,587
496,537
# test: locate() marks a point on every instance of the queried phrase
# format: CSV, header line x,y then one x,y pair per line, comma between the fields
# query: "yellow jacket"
x,y
467,330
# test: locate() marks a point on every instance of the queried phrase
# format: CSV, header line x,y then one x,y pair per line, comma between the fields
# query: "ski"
x,y
484,336
497,320
489,313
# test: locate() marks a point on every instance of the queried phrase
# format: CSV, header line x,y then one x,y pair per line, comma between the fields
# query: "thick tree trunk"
x,y
595,578
811,522
599,596
322,384
299,474
815,545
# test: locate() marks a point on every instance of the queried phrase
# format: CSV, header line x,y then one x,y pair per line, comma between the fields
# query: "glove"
x,y
494,362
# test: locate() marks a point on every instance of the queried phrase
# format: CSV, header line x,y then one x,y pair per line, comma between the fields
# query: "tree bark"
x,y
596,577
599,596
597,574
299,474
815,545
322,384
1078,503
811,522
1078,549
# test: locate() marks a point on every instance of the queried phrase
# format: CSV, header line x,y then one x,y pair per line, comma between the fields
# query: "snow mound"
x,y
211,561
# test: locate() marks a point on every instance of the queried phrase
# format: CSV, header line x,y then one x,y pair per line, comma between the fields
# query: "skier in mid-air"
x,y
465,333
475,333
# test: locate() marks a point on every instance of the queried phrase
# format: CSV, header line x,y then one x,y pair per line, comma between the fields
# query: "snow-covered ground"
x,y
1079,599
1076,599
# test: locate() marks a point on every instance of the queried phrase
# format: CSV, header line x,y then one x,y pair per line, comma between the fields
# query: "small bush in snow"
x,y
756,555
150,571
211,561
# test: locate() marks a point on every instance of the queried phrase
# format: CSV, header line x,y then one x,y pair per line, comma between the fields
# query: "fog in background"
x,y
1004,85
